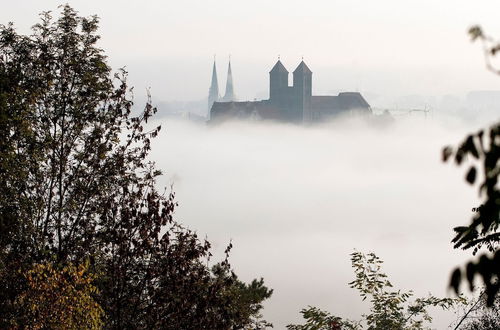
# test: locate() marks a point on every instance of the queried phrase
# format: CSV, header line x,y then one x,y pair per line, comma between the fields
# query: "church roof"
x,y
279,67
302,68
343,101
352,100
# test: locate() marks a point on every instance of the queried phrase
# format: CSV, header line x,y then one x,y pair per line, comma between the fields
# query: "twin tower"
x,y
295,100
213,92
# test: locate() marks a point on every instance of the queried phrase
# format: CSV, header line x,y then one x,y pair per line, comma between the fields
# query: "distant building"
x,y
213,92
294,103
229,95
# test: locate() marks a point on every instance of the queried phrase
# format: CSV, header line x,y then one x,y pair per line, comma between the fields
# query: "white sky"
x,y
386,47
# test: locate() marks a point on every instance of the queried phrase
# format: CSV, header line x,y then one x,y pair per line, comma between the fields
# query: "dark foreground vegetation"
x,y
481,152
86,239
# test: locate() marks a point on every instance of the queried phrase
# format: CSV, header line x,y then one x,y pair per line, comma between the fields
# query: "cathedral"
x,y
294,104
213,92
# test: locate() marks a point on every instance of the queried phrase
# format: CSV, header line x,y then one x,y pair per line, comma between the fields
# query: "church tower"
x,y
213,92
302,86
278,78
229,95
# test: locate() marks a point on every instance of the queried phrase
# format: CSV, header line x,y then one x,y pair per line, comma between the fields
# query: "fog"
x,y
296,201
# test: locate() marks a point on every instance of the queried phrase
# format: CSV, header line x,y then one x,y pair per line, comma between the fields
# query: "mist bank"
x,y
295,201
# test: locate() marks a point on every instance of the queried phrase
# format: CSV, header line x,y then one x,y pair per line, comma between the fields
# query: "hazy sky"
x,y
386,47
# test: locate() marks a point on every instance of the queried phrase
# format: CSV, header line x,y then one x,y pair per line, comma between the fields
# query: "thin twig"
x,y
471,309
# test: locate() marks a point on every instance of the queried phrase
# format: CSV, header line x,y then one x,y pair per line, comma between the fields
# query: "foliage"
x,y
247,303
390,309
483,151
479,316
76,185
317,319
490,46
60,299
483,148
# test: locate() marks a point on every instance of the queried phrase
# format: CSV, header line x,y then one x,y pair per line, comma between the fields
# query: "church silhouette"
x,y
294,104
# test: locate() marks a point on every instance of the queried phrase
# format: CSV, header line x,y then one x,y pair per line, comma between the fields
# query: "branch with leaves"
x,y
390,309
482,153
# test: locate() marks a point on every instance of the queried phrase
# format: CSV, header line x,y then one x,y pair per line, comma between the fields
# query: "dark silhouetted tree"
x,y
76,187
482,152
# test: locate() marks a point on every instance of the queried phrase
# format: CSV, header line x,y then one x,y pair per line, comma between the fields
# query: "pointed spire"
x,y
214,86
213,92
229,96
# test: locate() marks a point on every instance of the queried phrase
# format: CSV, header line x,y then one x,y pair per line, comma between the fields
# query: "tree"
x,y
482,232
60,299
390,309
481,150
317,319
76,185
477,315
